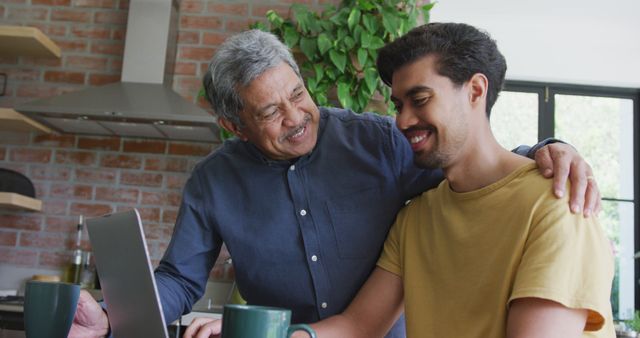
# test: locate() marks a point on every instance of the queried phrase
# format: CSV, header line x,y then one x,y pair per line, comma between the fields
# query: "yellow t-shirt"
x,y
464,256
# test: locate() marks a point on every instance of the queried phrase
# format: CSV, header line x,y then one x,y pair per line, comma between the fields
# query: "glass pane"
x,y
617,219
514,119
602,130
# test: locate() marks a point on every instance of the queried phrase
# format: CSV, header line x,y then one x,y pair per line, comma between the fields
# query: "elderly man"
x,y
303,197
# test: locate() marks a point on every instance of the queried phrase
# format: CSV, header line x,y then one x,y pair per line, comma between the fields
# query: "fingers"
x,y
579,180
592,198
561,159
544,161
203,328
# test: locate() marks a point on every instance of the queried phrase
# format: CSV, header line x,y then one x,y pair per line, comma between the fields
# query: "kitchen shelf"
x,y
17,201
26,41
11,120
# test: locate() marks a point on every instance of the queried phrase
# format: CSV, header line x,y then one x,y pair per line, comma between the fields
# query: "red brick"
x,y
8,238
184,68
21,168
111,17
261,10
107,48
189,6
102,79
200,22
30,155
91,32
97,143
141,179
42,240
123,195
161,198
53,259
49,173
3,151
118,34
188,37
71,191
90,210
86,62
176,181
43,61
18,74
238,25
166,164
190,149
21,222
96,175
169,216
7,60
56,141
191,84
75,157
54,207
66,77
27,14
70,15
55,30
51,2
121,161
1,11
37,90
115,65
213,39
149,214
196,53
152,231
123,4
233,9
154,147
18,257
75,45
64,224
95,3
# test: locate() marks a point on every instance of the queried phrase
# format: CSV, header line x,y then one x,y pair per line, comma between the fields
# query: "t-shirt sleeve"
x,y
567,259
391,259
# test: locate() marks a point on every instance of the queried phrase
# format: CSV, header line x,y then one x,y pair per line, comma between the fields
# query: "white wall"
x,y
569,41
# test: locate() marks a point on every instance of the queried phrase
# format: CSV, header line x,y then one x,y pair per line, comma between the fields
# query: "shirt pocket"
x,y
361,221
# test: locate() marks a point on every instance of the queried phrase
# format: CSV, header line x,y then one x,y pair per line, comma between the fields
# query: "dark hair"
x,y
461,52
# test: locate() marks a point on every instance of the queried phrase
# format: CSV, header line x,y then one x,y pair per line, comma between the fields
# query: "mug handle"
x,y
301,327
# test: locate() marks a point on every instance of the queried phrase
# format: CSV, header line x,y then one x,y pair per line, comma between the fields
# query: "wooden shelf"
x,y
13,121
26,41
17,201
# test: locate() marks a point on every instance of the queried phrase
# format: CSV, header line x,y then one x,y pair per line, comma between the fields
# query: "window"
x,y
602,123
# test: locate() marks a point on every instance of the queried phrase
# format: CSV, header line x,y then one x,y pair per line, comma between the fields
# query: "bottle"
x,y
87,275
74,269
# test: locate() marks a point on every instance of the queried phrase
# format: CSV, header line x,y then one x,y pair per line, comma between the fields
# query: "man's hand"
x,y
90,320
203,328
562,161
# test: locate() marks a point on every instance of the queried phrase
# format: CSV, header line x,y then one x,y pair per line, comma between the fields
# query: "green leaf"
x,y
365,39
362,57
321,99
371,79
291,36
344,96
274,19
368,21
376,43
354,18
339,59
357,33
330,73
426,11
324,43
312,84
319,71
342,33
390,22
308,47
349,42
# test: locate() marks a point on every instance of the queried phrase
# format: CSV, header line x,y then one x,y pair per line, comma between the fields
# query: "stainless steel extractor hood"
x,y
142,104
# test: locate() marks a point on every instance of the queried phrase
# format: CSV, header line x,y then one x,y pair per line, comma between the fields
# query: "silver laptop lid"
x,y
126,276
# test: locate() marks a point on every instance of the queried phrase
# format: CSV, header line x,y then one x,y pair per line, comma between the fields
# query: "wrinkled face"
x,y
431,112
279,116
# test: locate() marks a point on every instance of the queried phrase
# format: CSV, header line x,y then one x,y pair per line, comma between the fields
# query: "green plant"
x,y
340,46
634,323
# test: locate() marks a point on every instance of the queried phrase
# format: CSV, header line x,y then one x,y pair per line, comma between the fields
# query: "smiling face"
x,y
431,112
279,116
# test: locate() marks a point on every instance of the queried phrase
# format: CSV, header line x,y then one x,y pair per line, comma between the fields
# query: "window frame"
x,y
546,126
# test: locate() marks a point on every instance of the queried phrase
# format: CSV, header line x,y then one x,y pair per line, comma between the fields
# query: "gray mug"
x,y
49,308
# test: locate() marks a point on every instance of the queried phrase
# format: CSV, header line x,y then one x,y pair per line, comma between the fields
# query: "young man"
x,y
303,197
490,252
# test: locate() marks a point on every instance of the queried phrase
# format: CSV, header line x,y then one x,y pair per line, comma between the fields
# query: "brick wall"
x,y
91,175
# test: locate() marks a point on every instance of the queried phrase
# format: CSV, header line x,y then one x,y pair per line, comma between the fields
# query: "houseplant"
x,y
339,46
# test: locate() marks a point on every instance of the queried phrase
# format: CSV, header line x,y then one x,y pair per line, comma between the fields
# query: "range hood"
x,y
142,104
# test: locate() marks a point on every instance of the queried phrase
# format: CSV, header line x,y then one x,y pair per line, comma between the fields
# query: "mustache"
x,y
416,128
296,129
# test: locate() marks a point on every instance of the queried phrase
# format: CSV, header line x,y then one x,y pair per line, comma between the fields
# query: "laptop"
x,y
126,277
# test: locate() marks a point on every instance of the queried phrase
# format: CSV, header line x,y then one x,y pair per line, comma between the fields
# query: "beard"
x,y
443,153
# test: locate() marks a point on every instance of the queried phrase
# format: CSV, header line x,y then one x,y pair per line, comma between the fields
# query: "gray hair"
x,y
238,61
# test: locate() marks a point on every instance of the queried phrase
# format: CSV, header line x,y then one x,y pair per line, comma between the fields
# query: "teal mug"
x,y
49,308
242,321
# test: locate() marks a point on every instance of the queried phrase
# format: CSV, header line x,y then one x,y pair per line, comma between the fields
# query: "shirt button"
x,y
314,258
324,305
303,212
292,167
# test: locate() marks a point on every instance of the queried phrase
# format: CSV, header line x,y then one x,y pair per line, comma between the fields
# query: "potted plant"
x,y
339,46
